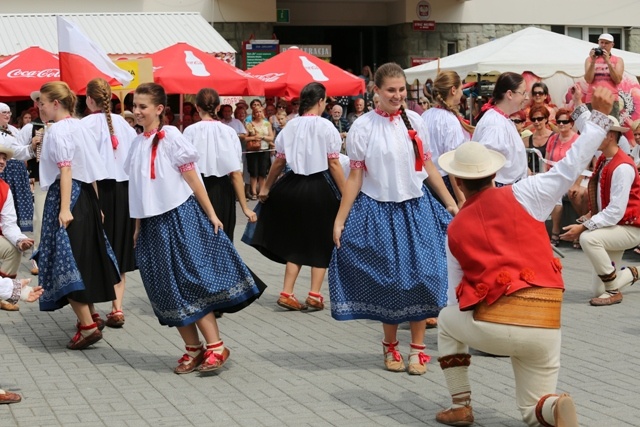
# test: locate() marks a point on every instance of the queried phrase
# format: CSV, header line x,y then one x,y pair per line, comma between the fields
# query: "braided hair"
x,y
158,97
208,101
99,90
441,88
392,70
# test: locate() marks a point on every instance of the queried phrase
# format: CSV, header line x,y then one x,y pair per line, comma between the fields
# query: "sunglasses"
x,y
282,106
295,103
563,122
517,121
424,102
536,93
538,119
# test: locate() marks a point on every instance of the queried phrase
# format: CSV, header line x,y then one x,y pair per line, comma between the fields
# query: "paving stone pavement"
x,y
297,369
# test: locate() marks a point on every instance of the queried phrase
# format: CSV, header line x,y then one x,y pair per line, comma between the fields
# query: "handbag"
x,y
253,145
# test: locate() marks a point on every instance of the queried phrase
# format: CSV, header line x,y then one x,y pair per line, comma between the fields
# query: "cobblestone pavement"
x,y
297,369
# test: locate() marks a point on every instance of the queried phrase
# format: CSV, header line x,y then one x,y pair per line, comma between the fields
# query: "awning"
x,y
117,33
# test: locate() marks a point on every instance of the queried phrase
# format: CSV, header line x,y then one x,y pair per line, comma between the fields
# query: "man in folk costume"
x,y
12,241
613,223
507,282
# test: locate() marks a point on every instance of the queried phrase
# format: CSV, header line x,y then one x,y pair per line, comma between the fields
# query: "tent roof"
x,y
538,51
116,33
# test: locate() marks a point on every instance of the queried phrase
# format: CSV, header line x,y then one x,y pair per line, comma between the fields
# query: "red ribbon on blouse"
x,y
154,150
390,115
417,145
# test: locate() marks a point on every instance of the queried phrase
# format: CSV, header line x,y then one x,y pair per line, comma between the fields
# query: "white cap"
x,y
35,95
606,36
128,114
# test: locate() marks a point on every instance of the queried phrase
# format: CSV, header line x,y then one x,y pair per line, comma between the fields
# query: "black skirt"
x,y
118,226
223,198
89,248
296,222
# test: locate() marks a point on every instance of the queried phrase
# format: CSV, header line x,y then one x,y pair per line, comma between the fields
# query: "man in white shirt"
x,y
613,223
12,241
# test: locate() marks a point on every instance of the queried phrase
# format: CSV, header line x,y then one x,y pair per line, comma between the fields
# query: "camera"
x,y
598,51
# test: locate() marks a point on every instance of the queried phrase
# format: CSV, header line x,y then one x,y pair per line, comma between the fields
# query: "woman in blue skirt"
x,y
76,263
390,263
15,174
189,269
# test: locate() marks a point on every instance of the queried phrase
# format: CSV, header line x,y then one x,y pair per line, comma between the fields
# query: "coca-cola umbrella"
x,y
182,68
288,72
26,71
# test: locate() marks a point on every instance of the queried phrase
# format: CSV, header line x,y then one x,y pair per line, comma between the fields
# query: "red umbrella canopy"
x,y
26,71
288,72
182,68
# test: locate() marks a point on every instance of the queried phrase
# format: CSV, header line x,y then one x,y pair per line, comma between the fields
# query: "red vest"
x,y
632,212
4,190
501,248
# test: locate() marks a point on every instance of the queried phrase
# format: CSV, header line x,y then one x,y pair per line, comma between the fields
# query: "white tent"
x,y
556,59
538,51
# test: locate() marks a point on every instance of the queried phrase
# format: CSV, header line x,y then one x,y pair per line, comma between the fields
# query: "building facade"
x,y
370,32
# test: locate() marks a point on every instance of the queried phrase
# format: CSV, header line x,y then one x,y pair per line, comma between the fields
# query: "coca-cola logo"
x,y
269,78
39,74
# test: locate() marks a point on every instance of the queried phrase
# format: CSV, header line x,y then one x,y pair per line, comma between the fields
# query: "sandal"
x,y
576,245
254,197
555,239
115,319
637,249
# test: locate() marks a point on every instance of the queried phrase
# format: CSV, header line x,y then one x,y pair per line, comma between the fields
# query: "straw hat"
x,y
6,150
471,160
615,127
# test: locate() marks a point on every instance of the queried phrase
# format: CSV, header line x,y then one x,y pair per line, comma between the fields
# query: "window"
x,y
591,34
452,48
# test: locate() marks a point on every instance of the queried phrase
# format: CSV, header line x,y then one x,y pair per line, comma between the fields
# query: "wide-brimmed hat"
x,y
616,126
6,150
471,160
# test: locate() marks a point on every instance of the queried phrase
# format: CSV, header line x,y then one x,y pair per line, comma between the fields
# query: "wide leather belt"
x,y
534,307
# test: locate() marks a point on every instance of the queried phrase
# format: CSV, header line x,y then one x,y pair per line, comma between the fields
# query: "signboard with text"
x,y
320,50
255,52
424,25
420,61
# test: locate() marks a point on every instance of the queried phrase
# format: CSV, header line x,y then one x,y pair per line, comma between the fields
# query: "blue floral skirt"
x,y
15,174
77,262
391,265
187,270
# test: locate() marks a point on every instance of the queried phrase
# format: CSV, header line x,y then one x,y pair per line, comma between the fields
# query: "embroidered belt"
x,y
534,307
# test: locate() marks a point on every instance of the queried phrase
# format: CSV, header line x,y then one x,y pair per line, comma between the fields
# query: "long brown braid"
x,y
393,70
407,123
441,87
100,91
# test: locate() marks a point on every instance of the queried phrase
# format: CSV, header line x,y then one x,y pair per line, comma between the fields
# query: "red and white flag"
x,y
81,59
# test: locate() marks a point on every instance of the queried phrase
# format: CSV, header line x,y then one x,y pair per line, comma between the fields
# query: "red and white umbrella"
x,y
26,71
182,68
288,72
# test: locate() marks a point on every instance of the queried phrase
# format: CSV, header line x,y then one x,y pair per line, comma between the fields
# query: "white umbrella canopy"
x,y
538,51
